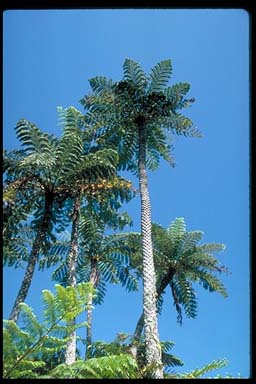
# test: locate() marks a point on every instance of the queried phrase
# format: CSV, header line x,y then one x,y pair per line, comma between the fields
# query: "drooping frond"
x,y
134,73
186,295
160,75
168,359
210,282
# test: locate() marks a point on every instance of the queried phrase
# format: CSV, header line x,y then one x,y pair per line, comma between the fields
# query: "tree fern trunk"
x,y
70,355
166,279
40,237
93,280
152,345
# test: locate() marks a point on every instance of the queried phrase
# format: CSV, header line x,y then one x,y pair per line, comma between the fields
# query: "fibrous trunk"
x,y
70,355
152,345
166,279
93,280
37,244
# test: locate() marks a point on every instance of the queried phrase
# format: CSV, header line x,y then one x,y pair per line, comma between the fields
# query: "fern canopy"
x,y
117,109
180,261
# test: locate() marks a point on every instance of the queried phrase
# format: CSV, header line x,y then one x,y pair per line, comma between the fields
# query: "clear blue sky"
x,y
49,57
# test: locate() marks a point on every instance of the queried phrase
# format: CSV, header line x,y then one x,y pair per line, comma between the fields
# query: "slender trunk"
x,y
93,280
160,289
152,344
70,355
37,244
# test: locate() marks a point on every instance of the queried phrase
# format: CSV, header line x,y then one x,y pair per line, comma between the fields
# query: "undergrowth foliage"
x,y
28,345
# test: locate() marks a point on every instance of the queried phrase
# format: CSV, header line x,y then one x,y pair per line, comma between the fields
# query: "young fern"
x,y
27,345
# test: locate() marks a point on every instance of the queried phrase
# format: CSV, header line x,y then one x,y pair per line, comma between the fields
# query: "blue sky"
x,y
49,55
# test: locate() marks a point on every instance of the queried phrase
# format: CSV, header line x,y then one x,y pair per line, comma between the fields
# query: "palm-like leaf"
x,y
159,76
134,73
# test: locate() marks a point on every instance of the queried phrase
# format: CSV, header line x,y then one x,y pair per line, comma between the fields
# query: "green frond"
x,y
56,253
212,247
51,313
177,229
199,372
211,282
189,241
28,320
186,295
108,367
160,75
134,73
100,83
32,138
176,91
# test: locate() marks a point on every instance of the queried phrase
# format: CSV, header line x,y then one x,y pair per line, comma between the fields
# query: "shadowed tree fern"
x,y
57,170
101,259
180,262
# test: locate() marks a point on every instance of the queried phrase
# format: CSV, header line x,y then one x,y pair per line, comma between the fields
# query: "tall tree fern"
x,y
180,262
59,168
135,115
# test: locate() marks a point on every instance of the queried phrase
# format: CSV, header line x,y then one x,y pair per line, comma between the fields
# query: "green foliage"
x,y
117,109
199,372
181,261
123,344
110,253
122,366
134,73
28,345
159,76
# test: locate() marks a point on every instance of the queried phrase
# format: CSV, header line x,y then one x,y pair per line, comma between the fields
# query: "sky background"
x,y
48,57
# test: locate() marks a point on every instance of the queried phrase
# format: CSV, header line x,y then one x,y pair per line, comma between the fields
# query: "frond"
x,y
70,146
56,253
51,311
180,125
32,138
187,296
210,282
177,229
189,241
27,320
199,372
60,273
100,83
176,91
108,367
92,166
160,75
212,247
134,73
